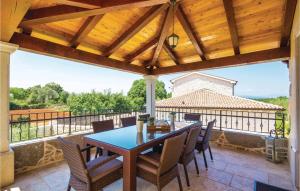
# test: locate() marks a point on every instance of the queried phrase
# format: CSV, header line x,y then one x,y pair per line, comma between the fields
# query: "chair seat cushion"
x,y
105,169
149,162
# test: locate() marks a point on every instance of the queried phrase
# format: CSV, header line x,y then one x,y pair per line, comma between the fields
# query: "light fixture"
x,y
173,38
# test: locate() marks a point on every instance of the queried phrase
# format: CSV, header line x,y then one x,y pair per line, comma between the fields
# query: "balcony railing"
x,y
247,121
31,126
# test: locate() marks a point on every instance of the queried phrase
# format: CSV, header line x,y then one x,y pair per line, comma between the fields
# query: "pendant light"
x,y
173,38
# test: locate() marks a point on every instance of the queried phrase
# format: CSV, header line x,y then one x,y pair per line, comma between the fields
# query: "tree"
x,y
137,92
18,93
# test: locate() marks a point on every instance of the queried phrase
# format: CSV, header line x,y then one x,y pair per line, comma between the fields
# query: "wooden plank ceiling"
x,y
131,35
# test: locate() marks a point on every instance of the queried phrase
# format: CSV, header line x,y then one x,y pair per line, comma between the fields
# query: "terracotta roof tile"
x,y
209,99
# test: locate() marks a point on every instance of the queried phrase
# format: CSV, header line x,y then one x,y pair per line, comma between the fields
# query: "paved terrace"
x,y
231,171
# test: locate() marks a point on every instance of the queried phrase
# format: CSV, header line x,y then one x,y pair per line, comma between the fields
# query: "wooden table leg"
x,y
129,171
88,153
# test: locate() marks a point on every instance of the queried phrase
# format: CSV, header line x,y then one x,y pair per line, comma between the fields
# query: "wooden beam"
x,y
232,25
237,60
114,6
189,31
45,47
170,52
12,12
163,34
88,4
288,22
85,29
135,28
149,46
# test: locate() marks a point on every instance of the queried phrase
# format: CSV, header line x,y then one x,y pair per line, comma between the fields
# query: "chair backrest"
x,y
128,121
144,116
192,139
171,152
100,126
192,117
74,159
208,131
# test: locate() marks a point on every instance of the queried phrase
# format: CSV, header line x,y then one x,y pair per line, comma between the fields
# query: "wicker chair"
x,y
203,141
188,153
160,169
101,126
194,117
128,121
93,175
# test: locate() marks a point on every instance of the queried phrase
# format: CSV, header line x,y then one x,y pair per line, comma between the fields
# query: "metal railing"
x,y
250,121
31,126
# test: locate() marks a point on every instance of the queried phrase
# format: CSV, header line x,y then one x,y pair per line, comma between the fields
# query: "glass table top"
x,y
128,137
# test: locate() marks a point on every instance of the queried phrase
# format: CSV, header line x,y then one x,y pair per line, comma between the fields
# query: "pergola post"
x,y
150,94
6,154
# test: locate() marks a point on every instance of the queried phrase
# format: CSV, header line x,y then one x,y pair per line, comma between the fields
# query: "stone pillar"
x,y
150,94
6,154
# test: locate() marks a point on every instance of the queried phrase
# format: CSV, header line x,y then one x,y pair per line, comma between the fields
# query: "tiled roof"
x,y
209,99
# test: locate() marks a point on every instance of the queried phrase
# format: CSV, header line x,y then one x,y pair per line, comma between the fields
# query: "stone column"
x,y
6,154
150,94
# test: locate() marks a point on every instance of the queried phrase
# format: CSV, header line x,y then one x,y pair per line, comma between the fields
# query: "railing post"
x,y
220,120
283,125
70,123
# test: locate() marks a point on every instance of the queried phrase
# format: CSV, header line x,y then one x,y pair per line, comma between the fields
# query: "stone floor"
x,y
230,171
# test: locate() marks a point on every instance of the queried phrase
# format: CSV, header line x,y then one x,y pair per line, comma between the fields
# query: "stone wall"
x,y
36,154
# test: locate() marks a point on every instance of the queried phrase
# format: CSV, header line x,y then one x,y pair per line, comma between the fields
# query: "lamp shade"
x,y
173,40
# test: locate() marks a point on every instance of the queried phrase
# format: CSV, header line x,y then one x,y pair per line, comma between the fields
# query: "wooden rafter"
x,y
54,16
171,53
236,60
85,29
88,4
163,34
232,25
45,47
135,28
11,13
149,46
288,22
189,31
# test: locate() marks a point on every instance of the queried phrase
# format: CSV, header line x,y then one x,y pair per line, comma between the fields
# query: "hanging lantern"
x,y
173,40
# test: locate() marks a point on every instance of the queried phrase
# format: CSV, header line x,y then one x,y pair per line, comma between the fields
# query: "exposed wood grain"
x,y
170,52
150,45
88,4
189,31
232,25
53,16
288,22
236,60
84,30
135,28
12,12
44,47
164,32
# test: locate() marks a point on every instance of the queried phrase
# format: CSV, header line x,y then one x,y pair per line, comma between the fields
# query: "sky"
x,y
28,69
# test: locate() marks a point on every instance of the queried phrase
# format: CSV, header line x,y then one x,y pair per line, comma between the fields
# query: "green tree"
x,y
18,93
137,92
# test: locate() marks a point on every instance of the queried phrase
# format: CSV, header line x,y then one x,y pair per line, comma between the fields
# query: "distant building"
x,y
195,81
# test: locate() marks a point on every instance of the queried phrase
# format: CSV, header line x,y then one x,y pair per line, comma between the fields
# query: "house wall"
x,y
195,82
294,110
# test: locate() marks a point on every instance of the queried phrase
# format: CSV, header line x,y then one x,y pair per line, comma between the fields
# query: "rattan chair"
x,y
192,117
93,175
160,169
101,126
128,121
203,141
188,153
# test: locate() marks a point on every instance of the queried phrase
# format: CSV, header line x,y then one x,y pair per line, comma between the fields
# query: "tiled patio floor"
x,y
230,171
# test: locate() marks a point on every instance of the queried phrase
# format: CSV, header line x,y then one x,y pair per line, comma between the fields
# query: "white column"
x,y
150,94
6,154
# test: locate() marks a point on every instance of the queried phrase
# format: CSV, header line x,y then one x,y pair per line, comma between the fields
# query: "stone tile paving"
x,y
231,170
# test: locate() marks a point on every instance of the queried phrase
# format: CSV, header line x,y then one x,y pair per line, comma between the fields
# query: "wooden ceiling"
x,y
131,35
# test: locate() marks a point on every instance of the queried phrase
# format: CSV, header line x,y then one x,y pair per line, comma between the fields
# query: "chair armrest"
x,y
149,160
86,148
100,161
